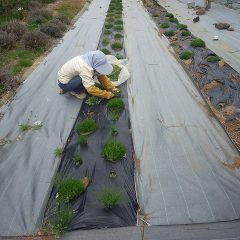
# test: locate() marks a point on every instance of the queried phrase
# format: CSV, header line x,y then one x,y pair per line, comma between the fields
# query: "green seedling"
x,y
182,26
69,189
117,46
173,20
77,159
112,174
92,101
109,197
115,106
197,43
164,25
105,51
118,22
115,73
213,58
86,127
108,26
114,131
107,32
169,33
24,127
186,33
105,41
118,56
114,151
169,15
118,27
59,152
82,140
186,55
118,36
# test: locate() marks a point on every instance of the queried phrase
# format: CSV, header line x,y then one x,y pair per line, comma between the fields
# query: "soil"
x,y
234,165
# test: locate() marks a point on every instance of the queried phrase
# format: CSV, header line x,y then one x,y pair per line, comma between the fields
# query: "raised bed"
x,y
218,82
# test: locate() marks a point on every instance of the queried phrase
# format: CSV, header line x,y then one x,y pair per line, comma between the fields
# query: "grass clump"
x,y
114,151
186,33
169,15
107,32
105,51
186,55
197,43
116,46
82,140
173,20
24,127
164,25
114,131
25,62
213,58
92,101
86,127
118,27
51,29
105,41
108,26
118,22
115,106
118,36
169,33
109,197
59,152
77,159
182,26
69,189
115,73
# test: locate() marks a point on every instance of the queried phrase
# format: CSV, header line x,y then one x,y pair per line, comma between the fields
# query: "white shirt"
x,y
76,66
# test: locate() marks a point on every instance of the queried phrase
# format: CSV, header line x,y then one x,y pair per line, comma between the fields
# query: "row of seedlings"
x,y
217,81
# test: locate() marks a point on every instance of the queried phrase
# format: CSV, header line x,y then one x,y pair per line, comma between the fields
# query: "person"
x,y
77,75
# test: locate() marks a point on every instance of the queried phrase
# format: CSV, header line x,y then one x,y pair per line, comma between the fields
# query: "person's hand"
x,y
110,95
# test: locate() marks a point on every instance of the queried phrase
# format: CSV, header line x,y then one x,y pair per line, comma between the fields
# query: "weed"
x,y
59,152
114,151
182,26
115,73
36,40
118,27
37,126
7,40
14,27
197,43
173,20
115,106
93,100
186,55
77,159
105,41
31,26
105,51
25,62
62,26
213,58
164,25
69,189
118,56
112,174
117,46
169,33
24,127
82,140
170,15
51,29
186,33
114,131
109,197
118,36
86,127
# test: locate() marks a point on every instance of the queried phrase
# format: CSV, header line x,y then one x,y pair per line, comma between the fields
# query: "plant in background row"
x,y
197,43
115,106
170,15
59,152
186,33
169,33
186,55
173,20
118,27
86,127
105,51
108,26
105,41
110,196
117,46
77,159
213,58
107,32
92,101
115,73
114,151
182,26
164,25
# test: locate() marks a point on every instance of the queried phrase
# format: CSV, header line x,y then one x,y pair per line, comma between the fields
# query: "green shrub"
x,y
182,26
77,159
173,20
114,151
105,41
51,29
7,40
86,127
59,152
186,55
186,33
213,58
117,46
170,15
115,73
36,40
119,22
118,56
169,33
118,36
164,25
109,197
197,43
105,51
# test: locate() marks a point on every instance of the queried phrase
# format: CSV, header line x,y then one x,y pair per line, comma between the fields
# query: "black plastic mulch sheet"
x,y
88,212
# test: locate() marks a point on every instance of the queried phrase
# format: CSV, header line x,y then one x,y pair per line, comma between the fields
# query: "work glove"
x,y
95,91
116,91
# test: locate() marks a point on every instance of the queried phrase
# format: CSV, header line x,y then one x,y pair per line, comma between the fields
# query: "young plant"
x,y
59,152
112,174
69,189
105,51
115,73
173,20
117,46
118,27
118,36
115,106
82,140
182,26
164,25
186,55
118,22
118,56
77,159
107,32
114,151
92,101
186,33
169,33
24,127
108,26
169,15
197,43
86,127
109,197
105,41
114,131
213,58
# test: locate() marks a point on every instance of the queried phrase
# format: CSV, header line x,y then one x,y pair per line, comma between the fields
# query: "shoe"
x,y
79,96
60,91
